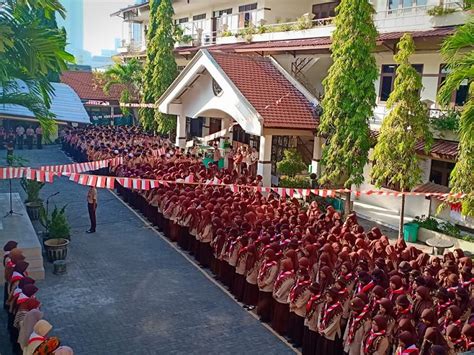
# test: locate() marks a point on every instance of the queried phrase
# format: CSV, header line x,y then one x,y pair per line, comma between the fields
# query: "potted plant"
x,y
33,202
57,233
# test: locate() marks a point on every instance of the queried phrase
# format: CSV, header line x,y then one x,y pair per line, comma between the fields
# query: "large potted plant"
x,y
33,202
57,233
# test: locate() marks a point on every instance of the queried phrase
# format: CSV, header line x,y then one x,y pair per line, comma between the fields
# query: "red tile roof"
x,y
87,88
272,95
431,187
441,149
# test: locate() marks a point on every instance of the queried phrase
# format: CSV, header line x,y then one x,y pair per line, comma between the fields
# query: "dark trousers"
x,y
39,141
29,142
92,207
19,142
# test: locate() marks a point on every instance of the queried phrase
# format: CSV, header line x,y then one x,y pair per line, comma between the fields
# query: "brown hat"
x,y
429,316
402,301
381,322
357,304
407,338
453,331
10,245
29,290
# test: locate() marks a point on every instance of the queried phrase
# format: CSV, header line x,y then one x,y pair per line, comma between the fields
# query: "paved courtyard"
x,y
127,291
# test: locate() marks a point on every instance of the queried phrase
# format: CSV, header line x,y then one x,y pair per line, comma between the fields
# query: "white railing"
x,y
418,10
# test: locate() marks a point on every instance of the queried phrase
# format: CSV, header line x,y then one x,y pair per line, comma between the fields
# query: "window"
x,y
250,7
440,172
325,10
220,13
199,17
387,78
459,97
393,4
182,20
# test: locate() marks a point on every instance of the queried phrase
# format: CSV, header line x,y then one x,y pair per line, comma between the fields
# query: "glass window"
x,y
458,97
440,172
183,20
421,2
249,7
387,79
199,17
407,3
393,4
220,13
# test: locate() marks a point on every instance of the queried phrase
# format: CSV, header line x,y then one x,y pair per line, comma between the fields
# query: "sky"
x,y
100,30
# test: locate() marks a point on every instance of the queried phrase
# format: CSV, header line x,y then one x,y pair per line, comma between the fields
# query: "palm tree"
x,y
30,51
129,75
458,52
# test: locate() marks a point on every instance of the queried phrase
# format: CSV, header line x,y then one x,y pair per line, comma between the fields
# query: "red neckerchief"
x,y
371,339
368,287
440,308
447,323
265,268
355,324
404,311
281,277
348,276
36,337
22,298
16,276
469,345
328,313
311,302
410,350
10,264
398,291
453,289
298,289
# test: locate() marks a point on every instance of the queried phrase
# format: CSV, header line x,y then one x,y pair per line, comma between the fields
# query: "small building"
x,y
102,108
65,105
265,106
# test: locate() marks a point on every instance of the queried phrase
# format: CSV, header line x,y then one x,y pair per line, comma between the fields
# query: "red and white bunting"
x,y
235,188
92,180
154,184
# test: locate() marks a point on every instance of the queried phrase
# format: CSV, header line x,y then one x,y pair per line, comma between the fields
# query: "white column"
x,y
264,167
205,127
181,131
317,155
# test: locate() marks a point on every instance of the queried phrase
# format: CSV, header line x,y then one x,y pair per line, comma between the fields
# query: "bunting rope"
x,y
73,172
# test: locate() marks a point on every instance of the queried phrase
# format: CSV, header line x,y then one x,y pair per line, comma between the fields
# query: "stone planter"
x,y
56,249
33,210
425,234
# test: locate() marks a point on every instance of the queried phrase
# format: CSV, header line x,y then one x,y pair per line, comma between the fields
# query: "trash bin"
x,y
410,232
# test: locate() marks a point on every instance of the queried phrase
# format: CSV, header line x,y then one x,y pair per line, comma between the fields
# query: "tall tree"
x,y
29,51
457,51
395,160
349,96
160,67
129,75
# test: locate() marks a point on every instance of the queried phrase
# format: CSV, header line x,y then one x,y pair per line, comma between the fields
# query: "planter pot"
x,y
56,249
425,234
33,209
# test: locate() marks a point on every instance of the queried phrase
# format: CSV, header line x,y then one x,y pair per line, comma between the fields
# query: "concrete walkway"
x,y
127,291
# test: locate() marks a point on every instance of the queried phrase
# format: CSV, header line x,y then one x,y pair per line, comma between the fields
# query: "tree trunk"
x,y
402,214
347,205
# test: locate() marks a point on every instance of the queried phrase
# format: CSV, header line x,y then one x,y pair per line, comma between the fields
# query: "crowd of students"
x,y
29,332
325,283
21,137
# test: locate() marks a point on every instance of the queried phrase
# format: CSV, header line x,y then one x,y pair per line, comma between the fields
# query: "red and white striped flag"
x,y
154,184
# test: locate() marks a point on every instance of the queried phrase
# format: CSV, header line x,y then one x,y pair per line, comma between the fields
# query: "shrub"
x,y
291,164
303,23
32,189
295,182
440,11
56,224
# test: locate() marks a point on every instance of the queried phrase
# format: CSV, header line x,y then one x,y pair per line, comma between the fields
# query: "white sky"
x,y
100,30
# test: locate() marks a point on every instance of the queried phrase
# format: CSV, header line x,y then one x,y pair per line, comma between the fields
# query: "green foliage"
x,y
247,32
448,121
56,224
440,11
32,189
349,94
303,23
295,182
160,67
15,160
459,56
226,33
129,75
291,164
395,159
179,35
443,227
284,27
31,50
263,29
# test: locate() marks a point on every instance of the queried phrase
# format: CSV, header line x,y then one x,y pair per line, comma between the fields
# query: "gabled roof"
x,y
65,104
87,88
269,91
